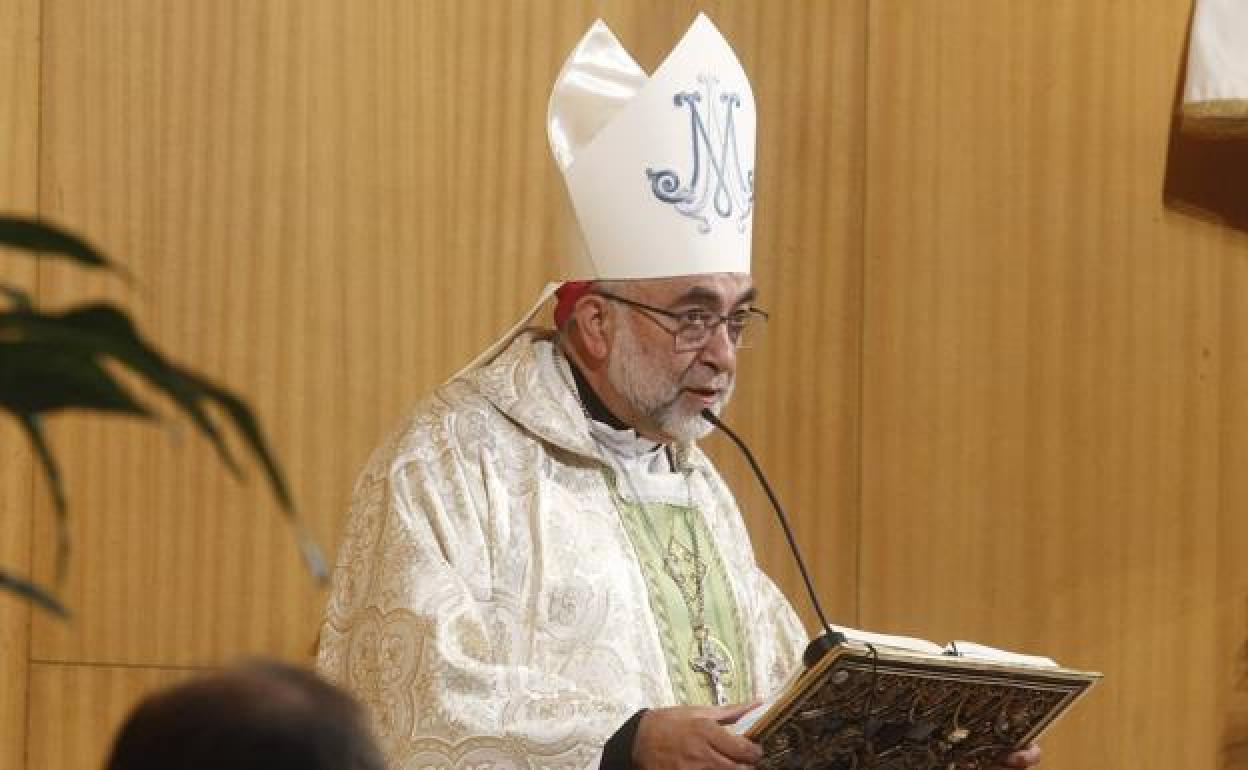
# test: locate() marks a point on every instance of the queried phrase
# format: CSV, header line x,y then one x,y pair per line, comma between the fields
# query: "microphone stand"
x,y
820,645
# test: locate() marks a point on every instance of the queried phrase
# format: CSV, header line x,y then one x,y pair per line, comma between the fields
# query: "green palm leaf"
x,y
46,238
23,587
53,361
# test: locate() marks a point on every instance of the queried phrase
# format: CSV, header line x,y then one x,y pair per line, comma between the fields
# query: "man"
x,y
541,568
262,716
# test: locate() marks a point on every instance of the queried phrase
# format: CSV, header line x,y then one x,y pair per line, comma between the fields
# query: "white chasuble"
x,y
489,607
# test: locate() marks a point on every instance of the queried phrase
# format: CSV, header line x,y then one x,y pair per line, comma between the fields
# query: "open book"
x,y
964,649
900,703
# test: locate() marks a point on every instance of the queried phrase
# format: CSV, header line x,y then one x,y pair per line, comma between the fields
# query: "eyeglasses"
x,y
696,325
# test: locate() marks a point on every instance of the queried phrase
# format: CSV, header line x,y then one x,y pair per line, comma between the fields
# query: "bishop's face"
x,y
666,382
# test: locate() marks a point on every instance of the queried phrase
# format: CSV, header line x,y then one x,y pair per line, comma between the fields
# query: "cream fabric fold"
x,y
1215,95
598,79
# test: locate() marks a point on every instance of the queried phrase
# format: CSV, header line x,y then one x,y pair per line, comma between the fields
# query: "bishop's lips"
x,y
707,395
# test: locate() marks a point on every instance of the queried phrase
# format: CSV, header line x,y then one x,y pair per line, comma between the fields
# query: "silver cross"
x,y
708,661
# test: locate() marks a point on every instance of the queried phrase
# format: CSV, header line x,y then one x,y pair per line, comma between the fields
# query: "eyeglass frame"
x,y
743,314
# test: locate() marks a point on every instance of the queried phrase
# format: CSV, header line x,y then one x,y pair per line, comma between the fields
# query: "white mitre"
x,y
659,170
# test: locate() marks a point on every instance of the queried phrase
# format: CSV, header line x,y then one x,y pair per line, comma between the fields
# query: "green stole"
x,y
675,530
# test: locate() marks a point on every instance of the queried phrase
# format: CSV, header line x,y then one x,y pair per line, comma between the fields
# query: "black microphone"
x,y
829,638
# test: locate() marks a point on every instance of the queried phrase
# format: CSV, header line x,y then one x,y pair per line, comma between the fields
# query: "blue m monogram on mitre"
x,y
716,180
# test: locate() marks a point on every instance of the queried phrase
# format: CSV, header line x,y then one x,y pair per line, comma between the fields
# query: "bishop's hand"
x,y
1028,757
693,738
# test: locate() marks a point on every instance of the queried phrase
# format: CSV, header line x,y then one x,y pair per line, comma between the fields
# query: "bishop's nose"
x,y
720,353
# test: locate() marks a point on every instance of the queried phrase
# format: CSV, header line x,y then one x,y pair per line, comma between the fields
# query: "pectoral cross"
x,y
710,662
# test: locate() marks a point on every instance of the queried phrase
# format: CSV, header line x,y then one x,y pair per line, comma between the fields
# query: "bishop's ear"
x,y
592,315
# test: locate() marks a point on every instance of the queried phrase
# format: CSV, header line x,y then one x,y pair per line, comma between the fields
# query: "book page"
x,y
984,652
910,643
747,720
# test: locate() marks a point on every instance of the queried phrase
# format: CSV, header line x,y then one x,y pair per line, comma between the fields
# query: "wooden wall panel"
x,y
333,207
19,107
76,710
19,111
309,193
797,400
16,480
1229,675
165,138
1053,367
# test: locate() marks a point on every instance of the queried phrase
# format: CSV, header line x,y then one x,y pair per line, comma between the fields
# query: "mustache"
x,y
720,381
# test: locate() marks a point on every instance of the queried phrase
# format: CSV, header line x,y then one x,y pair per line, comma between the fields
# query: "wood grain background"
x,y
1004,395
19,129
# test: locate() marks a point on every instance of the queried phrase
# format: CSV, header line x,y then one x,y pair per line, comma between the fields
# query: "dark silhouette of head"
x,y
259,715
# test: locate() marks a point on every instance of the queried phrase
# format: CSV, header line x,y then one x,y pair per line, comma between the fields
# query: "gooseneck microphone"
x,y
830,637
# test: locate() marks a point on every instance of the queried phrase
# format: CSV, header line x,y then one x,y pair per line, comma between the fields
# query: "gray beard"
x,y
655,393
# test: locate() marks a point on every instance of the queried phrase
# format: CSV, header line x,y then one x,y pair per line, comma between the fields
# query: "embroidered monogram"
x,y
716,177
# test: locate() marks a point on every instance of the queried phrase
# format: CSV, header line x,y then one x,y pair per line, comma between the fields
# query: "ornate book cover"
x,y
887,709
